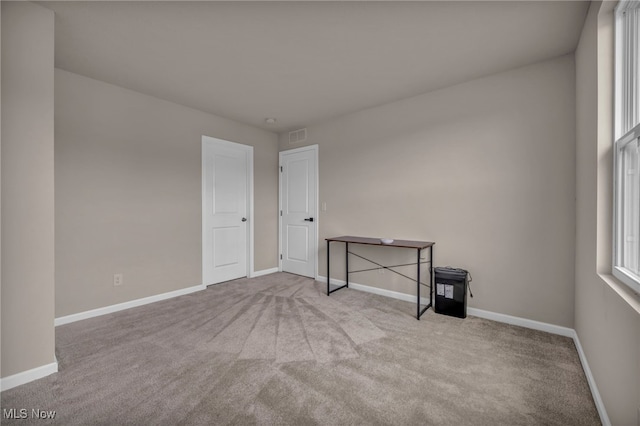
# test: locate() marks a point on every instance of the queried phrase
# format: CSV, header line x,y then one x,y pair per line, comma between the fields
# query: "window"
x,y
626,247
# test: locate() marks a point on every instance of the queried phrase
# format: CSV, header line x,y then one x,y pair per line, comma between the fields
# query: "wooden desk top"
x,y
377,242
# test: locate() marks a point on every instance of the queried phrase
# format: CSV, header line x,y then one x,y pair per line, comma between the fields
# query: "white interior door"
x,y
298,210
225,209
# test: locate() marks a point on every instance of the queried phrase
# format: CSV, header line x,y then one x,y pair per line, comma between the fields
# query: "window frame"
x,y
627,124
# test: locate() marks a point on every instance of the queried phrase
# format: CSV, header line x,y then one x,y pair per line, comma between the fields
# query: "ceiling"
x,y
304,62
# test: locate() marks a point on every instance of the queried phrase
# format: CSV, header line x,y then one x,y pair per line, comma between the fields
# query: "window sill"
x,y
623,290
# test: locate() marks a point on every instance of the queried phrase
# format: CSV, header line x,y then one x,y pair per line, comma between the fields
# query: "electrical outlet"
x,y
117,279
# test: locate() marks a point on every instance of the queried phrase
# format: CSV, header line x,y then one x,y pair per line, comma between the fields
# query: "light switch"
x,y
324,206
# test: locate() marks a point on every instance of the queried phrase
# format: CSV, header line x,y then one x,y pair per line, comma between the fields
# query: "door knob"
x,y
309,219
244,219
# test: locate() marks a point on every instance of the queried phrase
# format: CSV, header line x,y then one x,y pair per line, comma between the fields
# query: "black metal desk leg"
x,y
328,268
346,245
431,283
418,287
337,287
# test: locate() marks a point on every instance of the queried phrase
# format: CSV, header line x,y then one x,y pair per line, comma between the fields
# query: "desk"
x,y
416,245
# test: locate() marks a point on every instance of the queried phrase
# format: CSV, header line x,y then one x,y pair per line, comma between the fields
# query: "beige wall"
x,y
27,187
486,169
606,321
128,193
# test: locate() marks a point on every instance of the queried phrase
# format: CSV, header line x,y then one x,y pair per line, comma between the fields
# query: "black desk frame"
x,y
417,245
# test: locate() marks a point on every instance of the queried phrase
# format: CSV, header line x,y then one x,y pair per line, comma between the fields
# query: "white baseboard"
x,y
126,305
18,379
522,322
264,272
144,301
508,319
604,417
375,290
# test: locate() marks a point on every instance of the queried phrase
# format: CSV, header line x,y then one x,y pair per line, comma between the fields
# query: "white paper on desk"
x,y
448,291
440,289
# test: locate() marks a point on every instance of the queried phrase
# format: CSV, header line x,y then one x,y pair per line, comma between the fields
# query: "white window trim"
x,y
623,274
621,90
623,117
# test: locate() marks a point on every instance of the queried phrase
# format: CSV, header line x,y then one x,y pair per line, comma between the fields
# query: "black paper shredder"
x,y
451,291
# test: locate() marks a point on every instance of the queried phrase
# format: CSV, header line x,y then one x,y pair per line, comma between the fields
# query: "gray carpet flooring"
x,y
277,350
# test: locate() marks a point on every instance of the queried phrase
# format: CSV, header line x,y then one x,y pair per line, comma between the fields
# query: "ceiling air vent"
x,y
297,136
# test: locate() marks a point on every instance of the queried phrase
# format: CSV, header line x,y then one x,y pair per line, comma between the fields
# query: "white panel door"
x,y
298,201
224,210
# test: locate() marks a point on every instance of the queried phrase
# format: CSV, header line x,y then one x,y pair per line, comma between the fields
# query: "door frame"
x,y
248,150
316,223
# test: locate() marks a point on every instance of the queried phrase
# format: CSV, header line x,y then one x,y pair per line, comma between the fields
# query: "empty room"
x,y
319,212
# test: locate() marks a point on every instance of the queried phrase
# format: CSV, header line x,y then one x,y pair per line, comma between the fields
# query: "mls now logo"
x,y
23,413
14,413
